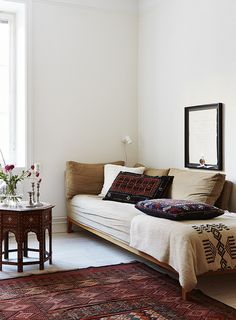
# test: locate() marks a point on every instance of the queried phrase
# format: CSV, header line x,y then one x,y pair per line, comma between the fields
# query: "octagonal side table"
x,y
20,221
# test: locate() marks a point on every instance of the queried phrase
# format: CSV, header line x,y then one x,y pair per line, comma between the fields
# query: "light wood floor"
x,y
82,249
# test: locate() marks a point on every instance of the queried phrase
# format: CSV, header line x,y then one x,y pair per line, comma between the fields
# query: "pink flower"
x,y
37,173
9,167
32,167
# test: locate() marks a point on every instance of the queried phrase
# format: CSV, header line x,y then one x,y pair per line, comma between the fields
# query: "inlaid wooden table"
x,y
20,221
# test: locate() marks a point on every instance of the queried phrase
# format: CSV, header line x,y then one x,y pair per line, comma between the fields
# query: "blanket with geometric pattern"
x,y
192,247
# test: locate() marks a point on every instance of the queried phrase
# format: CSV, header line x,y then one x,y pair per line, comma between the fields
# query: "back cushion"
x,y
85,178
152,171
223,200
198,186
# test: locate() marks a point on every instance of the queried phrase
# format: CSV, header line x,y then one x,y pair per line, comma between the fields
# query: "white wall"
x,y
187,53
84,84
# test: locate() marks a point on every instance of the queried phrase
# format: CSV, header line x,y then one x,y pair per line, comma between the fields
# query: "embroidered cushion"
x,y
110,173
178,209
132,187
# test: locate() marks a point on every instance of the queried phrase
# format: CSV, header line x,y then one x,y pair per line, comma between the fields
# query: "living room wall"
x,y
84,87
186,57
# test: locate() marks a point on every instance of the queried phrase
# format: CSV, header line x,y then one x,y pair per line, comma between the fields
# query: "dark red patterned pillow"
x,y
178,209
132,187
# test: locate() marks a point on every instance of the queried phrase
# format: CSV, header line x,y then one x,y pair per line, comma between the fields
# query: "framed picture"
x,y
203,137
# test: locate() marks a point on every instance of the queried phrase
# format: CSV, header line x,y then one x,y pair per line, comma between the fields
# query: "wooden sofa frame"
x,y
185,294
222,203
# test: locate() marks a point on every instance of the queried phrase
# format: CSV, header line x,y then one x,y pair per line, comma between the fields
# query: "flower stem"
x,y
3,158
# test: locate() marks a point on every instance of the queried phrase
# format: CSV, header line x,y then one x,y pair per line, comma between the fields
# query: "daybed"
x,y
189,248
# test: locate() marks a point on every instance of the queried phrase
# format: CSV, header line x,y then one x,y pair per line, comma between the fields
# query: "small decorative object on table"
x,y
33,192
32,201
9,195
38,203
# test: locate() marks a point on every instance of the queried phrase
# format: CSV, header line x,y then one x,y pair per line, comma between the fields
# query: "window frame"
x,y
10,19
18,13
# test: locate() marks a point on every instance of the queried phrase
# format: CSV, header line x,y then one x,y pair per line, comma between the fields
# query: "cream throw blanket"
x,y
190,247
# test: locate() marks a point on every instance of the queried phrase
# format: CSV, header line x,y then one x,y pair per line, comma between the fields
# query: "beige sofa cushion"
x,y
223,201
196,185
85,178
152,171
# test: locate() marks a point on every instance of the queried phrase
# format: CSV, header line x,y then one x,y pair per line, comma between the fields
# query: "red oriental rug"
x,y
120,292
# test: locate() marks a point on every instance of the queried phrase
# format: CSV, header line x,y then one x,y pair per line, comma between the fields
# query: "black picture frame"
x,y
190,130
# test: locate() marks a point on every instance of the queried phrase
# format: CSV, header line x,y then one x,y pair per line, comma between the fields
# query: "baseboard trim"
x,y
59,224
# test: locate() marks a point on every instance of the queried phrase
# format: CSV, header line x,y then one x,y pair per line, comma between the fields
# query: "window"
x,y
7,79
12,84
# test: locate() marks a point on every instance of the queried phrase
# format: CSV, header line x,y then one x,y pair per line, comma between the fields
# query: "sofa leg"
x,y
185,294
69,226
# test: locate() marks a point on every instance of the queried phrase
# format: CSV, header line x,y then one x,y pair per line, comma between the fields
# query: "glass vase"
x,y
12,195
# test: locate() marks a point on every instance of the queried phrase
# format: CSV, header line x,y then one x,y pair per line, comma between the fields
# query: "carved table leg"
x,y
1,253
6,245
50,243
41,249
20,254
26,245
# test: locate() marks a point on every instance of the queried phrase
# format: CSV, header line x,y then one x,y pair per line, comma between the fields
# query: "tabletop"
x,y
23,206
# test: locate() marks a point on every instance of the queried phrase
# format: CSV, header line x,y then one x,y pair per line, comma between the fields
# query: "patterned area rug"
x,y
121,292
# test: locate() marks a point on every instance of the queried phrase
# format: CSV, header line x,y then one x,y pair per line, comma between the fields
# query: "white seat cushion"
x,y
111,216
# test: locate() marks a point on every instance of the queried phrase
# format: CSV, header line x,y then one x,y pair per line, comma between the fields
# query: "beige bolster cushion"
x,y
152,171
85,178
196,185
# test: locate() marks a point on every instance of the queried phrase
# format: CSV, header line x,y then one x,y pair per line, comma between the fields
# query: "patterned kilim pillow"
x,y
178,209
132,187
